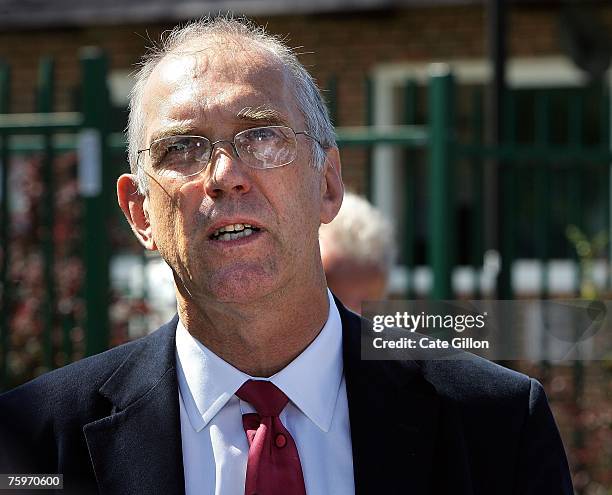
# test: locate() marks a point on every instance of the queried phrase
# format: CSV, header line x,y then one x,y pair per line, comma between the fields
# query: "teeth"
x,y
230,236
237,227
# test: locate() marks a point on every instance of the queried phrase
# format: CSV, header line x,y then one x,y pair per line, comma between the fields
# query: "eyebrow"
x,y
263,114
173,130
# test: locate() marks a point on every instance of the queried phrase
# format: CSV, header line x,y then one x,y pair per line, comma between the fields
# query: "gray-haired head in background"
x,y
306,92
358,251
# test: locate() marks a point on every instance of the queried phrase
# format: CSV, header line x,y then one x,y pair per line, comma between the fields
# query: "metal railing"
x,y
87,131
51,133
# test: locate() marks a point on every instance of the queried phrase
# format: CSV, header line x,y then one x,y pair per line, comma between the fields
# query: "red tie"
x,y
274,465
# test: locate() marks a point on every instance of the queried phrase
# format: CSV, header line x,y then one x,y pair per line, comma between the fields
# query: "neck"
x,y
261,337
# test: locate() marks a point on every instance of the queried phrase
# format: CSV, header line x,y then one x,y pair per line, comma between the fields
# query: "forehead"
x,y
211,83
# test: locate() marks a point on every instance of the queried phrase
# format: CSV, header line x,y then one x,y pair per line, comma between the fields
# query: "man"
x,y
358,252
257,385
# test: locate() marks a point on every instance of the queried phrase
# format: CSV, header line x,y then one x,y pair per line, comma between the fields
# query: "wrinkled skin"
x,y
233,296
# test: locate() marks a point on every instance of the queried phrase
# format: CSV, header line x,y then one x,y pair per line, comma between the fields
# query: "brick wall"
x,y
346,45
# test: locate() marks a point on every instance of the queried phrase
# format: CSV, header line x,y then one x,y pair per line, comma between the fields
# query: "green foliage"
x,y
587,251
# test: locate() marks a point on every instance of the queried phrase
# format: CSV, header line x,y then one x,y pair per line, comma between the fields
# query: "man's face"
x,y
205,93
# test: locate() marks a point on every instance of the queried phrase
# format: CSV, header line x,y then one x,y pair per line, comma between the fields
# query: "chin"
x,y
242,285
240,295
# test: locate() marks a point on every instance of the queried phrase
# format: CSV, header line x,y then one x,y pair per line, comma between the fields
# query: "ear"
x,y
332,188
135,208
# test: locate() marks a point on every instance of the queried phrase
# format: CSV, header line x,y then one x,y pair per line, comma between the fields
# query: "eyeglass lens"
x,y
260,147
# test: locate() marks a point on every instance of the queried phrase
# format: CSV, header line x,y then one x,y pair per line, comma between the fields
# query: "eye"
x,y
266,147
177,150
263,134
179,144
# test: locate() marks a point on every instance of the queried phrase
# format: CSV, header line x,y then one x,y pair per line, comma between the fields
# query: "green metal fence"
x,y
438,137
49,133
551,163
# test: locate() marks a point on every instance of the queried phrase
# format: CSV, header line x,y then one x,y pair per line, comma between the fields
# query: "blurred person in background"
x,y
257,385
358,250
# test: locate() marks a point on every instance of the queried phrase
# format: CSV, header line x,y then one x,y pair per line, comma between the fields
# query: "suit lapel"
x,y
393,413
137,449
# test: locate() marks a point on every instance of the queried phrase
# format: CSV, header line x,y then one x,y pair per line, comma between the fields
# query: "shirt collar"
x,y
311,381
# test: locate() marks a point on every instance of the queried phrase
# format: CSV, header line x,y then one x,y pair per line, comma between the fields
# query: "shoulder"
x,y
478,409
470,378
80,376
460,377
72,391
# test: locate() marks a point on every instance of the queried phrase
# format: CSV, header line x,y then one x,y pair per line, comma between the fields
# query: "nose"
x,y
227,173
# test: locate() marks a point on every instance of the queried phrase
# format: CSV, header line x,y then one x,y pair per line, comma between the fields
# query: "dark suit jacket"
x,y
110,424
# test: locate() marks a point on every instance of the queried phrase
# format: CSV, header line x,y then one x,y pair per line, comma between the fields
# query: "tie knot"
x,y
264,396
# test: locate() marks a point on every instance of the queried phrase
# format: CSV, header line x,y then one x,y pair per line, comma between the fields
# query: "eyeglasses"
x,y
260,147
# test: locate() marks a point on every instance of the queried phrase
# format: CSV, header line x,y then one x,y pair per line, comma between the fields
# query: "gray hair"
x,y
307,94
360,232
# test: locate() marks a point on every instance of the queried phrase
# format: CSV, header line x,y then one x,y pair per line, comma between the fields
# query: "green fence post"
x,y
575,138
44,104
542,189
369,121
410,118
441,222
575,141
4,230
542,202
506,192
476,231
94,189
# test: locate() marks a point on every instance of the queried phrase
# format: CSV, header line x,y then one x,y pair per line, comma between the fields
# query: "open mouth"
x,y
233,231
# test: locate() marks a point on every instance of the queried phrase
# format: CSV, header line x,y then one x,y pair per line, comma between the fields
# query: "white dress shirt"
x,y
215,448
